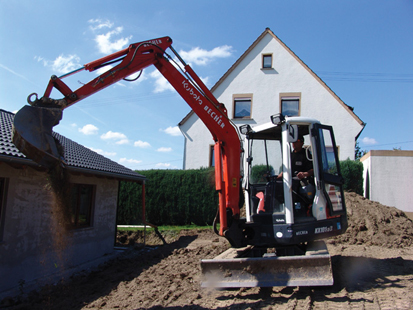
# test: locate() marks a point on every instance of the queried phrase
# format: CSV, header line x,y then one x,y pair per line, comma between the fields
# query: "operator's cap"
x,y
301,137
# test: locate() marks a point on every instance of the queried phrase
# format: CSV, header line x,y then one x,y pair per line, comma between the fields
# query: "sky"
x,y
361,49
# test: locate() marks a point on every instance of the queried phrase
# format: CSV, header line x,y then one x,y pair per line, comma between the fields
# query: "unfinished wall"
x,y
388,178
32,252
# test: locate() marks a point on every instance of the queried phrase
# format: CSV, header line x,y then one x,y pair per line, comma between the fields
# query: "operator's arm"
x,y
307,167
305,174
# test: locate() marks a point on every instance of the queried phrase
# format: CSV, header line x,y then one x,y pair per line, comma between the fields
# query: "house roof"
x,y
268,31
79,158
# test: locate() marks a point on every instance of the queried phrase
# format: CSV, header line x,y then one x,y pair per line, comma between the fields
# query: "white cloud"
x,y
163,165
120,138
122,141
142,144
173,131
107,44
110,135
102,152
97,24
41,59
202,57
369,141
129,161
109,41
89,129
161,84
64,64
164,149
166,166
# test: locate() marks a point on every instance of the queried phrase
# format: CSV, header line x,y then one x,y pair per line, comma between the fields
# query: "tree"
x,y
359,153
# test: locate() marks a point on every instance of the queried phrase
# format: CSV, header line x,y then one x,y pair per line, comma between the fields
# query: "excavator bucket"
x,y
231,270
32,134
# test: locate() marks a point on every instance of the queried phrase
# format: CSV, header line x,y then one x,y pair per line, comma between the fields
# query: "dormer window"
x,y
267,61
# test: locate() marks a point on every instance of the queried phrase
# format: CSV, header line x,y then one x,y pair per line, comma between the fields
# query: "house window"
x,y
266,61
3,194
83,198
242,106
290,104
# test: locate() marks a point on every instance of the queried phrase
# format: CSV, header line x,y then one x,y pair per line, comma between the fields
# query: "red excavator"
x,y
277,242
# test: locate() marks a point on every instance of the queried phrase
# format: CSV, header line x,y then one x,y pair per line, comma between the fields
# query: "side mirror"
x,y
292,133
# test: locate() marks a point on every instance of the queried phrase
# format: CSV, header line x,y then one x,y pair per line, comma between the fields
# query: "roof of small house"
x,y
79,159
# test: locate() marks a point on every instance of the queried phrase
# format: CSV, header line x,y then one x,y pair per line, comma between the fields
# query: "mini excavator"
x,y
279,240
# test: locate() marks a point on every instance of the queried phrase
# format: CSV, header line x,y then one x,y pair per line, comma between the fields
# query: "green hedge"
x,y
173,197
352,171
129,204
185,197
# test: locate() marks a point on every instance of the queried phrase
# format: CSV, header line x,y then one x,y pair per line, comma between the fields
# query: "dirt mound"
x,y
372,266
139,239
371,223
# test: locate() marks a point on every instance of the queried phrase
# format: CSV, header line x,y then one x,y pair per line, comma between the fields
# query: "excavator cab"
x,y
282,209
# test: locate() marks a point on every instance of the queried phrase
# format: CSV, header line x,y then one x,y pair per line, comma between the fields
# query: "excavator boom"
x,y
32,130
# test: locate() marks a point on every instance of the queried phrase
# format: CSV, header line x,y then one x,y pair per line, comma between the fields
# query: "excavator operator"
x,y
301,167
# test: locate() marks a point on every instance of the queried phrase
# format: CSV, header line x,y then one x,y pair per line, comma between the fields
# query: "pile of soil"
x,y
371,223
372,267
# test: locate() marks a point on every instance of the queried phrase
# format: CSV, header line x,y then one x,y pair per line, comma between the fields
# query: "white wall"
x,y
288,75
388,178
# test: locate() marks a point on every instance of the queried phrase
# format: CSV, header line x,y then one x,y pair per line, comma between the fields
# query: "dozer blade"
x,y
32,134
228,270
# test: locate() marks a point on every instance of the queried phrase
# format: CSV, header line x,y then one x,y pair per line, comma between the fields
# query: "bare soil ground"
x,y
372,266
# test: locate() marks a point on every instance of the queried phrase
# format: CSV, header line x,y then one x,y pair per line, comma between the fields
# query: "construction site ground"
x,y
372,268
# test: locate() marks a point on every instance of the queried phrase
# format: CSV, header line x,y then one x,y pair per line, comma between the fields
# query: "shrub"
x,y
352,172
259,173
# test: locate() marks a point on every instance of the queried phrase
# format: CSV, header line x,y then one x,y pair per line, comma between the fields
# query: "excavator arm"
x,y
32,130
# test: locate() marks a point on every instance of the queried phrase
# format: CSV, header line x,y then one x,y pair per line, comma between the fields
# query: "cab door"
x,y
330,180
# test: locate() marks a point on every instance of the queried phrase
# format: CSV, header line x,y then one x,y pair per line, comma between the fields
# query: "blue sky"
x,y
361,49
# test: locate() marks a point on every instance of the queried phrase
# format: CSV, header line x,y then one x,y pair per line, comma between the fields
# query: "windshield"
x,y
265,160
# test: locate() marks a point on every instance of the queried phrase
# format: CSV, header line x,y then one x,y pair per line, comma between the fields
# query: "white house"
x,y
267,79
388,178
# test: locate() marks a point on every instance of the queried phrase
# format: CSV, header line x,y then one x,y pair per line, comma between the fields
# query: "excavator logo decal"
x,y
214,116
191,91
